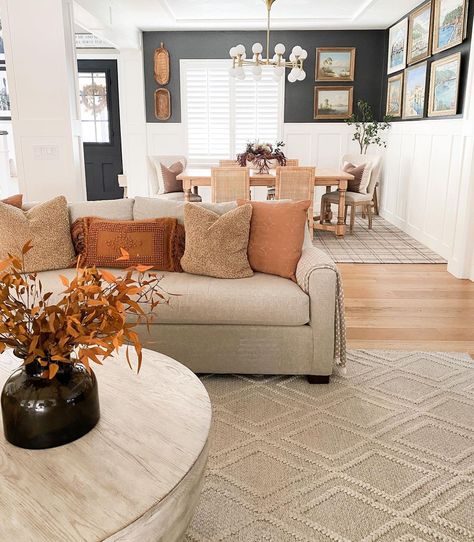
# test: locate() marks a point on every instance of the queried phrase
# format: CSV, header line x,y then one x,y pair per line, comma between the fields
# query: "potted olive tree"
x,y
367,130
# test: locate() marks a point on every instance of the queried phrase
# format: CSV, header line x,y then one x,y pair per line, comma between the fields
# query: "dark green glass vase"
x,y
41,413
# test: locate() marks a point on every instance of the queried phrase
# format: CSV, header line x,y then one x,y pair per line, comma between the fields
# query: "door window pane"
x,y
94,109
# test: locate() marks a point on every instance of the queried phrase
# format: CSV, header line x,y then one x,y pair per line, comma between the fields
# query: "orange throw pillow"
x,y
16,201
158,242
276,236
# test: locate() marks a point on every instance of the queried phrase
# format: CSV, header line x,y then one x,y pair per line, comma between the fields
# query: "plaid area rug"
x,y
384,454
385,243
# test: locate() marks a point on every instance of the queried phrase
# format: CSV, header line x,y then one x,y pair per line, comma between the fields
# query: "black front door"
x,y
100,119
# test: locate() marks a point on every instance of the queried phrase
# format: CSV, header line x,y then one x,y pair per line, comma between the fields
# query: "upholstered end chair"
x,y
157,184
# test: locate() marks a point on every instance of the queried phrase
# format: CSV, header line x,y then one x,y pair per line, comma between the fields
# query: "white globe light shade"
x,y
280,70
304,54
257,70
257,48
240,49
291,77
280,49
292,57
244,55
301,76
233,52
297,50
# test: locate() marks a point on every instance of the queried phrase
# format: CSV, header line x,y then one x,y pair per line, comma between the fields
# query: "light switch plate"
x,y
46,152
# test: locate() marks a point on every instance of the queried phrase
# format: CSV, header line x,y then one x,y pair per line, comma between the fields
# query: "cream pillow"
x,y
47,227
216,245
150,208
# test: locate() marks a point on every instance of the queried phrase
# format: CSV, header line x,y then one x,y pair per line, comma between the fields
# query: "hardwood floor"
x,y
408,307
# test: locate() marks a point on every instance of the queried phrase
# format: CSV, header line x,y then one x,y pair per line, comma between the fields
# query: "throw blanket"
x,y
303,275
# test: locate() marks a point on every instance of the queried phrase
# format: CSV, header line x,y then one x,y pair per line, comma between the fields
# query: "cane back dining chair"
x,y
289,163
296,183
229,163
355,200
229,184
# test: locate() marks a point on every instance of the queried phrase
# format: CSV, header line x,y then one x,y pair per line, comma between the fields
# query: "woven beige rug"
x,y
385,454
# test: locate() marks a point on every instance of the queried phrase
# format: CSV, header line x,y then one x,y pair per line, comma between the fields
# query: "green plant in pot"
x,y
52,398
367,130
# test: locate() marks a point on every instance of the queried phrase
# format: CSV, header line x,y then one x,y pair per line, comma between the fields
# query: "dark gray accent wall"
x,y
299,97
464,48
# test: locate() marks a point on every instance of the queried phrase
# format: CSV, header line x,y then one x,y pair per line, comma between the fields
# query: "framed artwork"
x,y
335,63
449,26
397,46
394,96
333,102
5,111
419,34
414,91
444,86
2,46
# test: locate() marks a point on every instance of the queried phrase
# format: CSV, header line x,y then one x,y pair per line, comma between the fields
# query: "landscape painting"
x,y
333,102
397,46
394,96
335,64
5,110
414,92
449,24
444,86
419,36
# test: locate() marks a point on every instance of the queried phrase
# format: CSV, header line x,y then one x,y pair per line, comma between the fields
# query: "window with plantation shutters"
x,y
220,113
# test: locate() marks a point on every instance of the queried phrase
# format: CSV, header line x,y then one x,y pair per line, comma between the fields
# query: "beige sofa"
x,y
259,325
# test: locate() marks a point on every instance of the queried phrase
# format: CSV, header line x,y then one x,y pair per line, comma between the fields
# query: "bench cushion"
x,y
258,300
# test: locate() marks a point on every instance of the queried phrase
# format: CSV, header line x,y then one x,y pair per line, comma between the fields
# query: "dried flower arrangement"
x,y
261,155
87,323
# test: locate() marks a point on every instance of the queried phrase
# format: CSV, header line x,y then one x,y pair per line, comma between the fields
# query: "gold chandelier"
x,y
279,64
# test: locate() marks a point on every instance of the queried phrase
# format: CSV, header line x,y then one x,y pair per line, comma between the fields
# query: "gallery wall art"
x,y
397,46
5,108
333,102
449,26
444,86
419,34
394,96
335,63
414,91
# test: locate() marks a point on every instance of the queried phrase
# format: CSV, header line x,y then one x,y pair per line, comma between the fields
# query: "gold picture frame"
x,y
392,81
330,110
326,54
424,17
451,87
442,41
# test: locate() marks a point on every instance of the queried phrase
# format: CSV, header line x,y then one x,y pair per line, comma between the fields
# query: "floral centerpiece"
x,y
52,398
262,156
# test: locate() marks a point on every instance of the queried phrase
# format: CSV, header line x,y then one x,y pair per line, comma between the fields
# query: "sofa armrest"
x,y
318,276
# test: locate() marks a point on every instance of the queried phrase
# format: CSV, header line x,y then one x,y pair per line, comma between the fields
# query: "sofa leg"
x,y
317,379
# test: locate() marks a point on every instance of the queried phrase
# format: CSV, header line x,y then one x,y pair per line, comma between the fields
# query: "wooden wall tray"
x,y
162,104
162,66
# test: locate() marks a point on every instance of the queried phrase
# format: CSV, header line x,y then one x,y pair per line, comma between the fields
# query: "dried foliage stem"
x,y
87,324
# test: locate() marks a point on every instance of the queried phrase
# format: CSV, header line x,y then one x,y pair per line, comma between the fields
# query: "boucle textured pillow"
x,y
216,246
47,227
16,200
276,236
158,243
170,182
357,172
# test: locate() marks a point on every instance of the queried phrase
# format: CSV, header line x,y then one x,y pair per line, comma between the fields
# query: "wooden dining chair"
x,y
229,184
229,163
289,163
296,183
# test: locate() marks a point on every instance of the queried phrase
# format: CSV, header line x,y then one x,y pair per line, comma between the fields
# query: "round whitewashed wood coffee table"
x,y
135,477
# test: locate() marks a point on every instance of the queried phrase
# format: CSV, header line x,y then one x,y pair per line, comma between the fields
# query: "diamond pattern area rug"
x,y
384,454
385,243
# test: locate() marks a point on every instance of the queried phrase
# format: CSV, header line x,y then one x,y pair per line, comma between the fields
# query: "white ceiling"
x,y
251,14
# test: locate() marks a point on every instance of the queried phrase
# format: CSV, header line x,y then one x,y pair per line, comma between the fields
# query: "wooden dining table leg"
x,y
341,226
187,191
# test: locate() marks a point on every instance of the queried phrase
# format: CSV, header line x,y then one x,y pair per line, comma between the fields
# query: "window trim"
x,y
184,64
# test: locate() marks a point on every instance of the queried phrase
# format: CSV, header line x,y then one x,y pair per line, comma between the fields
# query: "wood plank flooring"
x,y
408,307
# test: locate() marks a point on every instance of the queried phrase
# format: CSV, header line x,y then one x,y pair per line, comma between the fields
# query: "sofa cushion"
x,y
261,300
116,209
147,208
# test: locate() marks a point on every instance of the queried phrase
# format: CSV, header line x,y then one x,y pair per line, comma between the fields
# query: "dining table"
x,y
193,178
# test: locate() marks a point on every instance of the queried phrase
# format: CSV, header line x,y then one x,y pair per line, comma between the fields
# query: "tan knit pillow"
x,y
216,245
47,227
